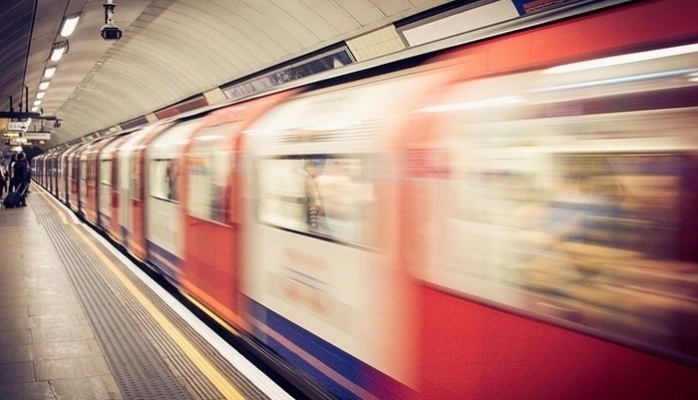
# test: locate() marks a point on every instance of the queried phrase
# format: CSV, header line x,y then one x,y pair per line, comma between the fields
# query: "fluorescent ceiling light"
x,y
49,72
37,102
35,108
57,53
69,26
44,85
623,59
40,95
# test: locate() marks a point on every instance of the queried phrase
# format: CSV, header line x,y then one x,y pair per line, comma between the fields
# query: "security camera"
x,y
111,32
57,123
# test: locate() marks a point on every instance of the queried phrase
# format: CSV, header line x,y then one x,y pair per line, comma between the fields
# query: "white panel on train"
x,y
322,212
164,163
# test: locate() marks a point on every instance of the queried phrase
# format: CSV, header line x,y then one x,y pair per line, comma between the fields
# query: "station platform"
x,y
78,320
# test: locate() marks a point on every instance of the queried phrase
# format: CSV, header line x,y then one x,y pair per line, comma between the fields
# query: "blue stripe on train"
x,y
167,262
341,362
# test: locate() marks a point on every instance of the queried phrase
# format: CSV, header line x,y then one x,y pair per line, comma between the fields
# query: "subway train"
x,y
512,217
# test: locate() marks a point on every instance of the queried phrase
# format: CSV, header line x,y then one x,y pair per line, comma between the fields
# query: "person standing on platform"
x,y
3,177
21,177
11,173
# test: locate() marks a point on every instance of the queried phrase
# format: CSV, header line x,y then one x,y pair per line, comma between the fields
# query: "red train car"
x,y
553,265
131,183
90,195
211,174
108,206
77,171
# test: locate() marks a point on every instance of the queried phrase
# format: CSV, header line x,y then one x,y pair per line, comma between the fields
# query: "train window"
x,y
163,175
577,199
606,240
105,172
210,174
83,170
329,197
600,232
136,190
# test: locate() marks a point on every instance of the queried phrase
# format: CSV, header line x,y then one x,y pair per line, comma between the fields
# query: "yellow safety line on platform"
x,y
211,315
221,383
58,211
218,380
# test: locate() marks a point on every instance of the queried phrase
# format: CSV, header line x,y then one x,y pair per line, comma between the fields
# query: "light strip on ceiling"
x,y
69,26
57,53
44,85
49,72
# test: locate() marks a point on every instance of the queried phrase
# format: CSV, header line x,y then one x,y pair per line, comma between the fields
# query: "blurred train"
x,y
515,217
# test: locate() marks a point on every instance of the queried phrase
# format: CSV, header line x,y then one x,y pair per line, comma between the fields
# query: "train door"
x,y
88,186
62,175
98,180
212,201
109,188
163,222
74,167
131,177
50,170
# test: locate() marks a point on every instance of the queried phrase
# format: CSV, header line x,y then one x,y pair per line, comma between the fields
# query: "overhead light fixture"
x,y
44,85
37,102
35,108
40,95
57,53
49,72
69,26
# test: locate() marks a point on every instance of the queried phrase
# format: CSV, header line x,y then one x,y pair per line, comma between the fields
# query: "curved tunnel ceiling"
x,y
171,50
175,50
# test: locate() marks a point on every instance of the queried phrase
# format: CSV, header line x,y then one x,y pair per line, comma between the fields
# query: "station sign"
x,y
37,135
17,126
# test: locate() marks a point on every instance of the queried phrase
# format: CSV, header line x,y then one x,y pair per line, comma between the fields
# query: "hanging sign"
x,y
37,135
17,126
